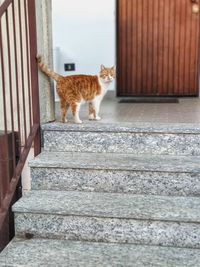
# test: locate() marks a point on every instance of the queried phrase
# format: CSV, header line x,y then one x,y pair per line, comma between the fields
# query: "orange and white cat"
x,y
74,90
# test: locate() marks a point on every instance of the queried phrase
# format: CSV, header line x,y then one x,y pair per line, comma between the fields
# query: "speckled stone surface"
x,y
146,174
157,166
173,144
113,230
143,127
111,205
109,217
135,182
110,161
132,138
61,253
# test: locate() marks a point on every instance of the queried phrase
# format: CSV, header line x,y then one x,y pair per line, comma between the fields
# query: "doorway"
x,y
157,47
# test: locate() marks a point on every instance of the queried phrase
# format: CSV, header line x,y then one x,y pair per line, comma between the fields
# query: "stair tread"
x,y
110,205
190,128
49,252
115,161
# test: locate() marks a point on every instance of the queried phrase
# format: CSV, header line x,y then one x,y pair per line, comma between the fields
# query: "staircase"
x,y
111,195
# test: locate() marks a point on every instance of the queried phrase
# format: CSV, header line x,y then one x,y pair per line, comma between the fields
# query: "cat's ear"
x,y
113,68
102,67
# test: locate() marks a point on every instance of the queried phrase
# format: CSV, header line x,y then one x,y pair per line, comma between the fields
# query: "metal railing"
x,y
19,96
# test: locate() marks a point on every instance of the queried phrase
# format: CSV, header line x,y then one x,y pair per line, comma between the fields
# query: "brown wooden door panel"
x,y
157,48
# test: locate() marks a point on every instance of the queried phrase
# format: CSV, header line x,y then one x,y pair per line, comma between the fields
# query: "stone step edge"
x,y
123,254
170,128
148,163
107,206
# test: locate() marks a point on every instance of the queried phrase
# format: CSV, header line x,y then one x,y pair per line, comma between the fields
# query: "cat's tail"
x,y
44,68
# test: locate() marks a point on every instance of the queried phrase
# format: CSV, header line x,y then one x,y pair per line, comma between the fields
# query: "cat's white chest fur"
x,y
104,86
96,101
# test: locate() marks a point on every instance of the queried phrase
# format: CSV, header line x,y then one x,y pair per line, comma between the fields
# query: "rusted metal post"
x,y
34,73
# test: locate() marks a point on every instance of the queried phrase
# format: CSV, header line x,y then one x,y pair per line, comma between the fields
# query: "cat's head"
x,y
107,75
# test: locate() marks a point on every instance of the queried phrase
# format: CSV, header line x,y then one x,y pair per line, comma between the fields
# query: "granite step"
x,y
62,253
145,138
128,173
110,217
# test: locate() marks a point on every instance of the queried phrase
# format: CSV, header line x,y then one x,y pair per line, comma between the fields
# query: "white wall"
x,y
84,34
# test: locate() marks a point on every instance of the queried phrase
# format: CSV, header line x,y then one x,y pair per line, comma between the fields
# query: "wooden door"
x,y
157,47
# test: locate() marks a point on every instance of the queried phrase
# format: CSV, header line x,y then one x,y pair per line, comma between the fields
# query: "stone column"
x,y
45,49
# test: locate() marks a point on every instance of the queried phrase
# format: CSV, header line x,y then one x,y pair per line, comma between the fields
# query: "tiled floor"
x,y
186,111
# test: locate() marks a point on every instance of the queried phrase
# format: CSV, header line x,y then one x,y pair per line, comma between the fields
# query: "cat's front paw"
x,y
98,118
63,120
91,117
78,121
